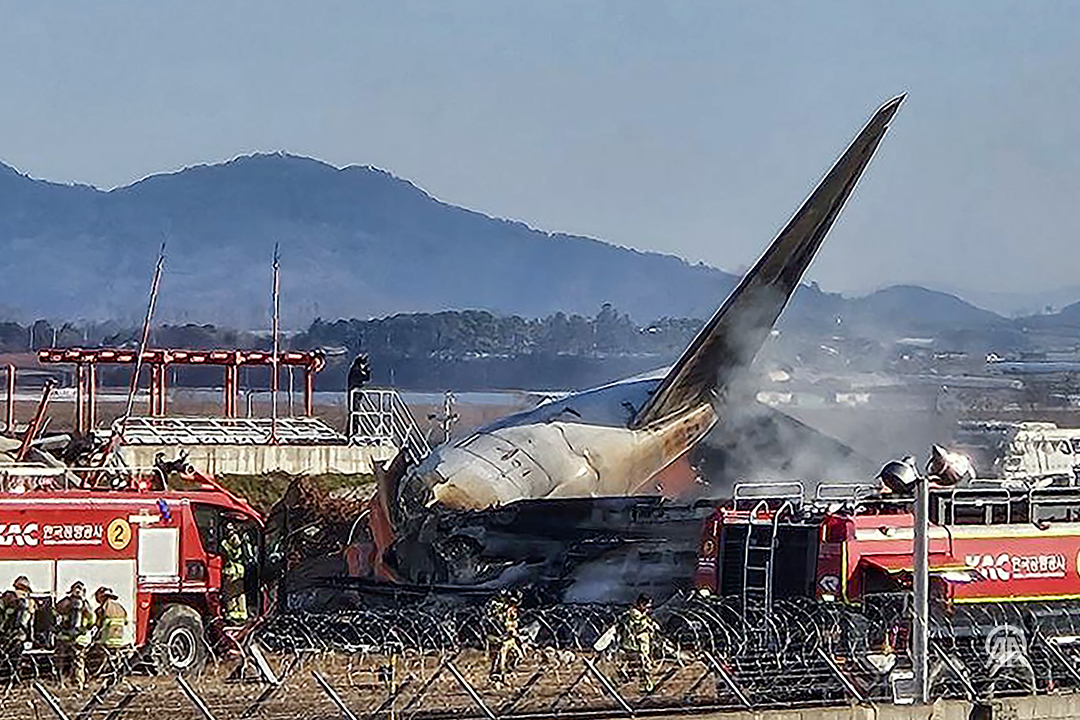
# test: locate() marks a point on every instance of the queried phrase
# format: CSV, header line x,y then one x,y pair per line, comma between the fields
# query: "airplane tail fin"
x,y
735,334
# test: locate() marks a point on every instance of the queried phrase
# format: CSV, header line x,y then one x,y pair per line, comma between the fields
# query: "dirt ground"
x,y
541,685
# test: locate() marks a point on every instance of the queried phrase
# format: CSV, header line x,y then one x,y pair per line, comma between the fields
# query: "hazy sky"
x,y
693,128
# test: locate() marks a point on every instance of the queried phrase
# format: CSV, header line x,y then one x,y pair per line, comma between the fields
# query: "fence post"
x,y
393,683
388,703
428,683
274,683
260,662
962,674
520,694
51,701
608,687
847,682
724,675
345,711
470,690
193,696
115,713
98,697
568,689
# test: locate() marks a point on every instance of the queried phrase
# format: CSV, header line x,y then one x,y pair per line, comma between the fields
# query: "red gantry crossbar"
x,y
158,360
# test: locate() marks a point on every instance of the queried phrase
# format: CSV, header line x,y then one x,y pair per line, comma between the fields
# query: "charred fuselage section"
x,y
571,549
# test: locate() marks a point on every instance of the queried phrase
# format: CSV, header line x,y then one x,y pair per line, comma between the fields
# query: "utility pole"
x,y
144,339
274,360
920,631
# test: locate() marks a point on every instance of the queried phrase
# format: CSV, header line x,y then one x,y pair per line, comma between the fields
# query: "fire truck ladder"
x,y
759,552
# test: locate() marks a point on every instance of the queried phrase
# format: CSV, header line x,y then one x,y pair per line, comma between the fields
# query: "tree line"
x,y
467,349
449,335
477,333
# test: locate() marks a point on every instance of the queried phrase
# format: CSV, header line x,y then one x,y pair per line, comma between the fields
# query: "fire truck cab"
x,y
154,541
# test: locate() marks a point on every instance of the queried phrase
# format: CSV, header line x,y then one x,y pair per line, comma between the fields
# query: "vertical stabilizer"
x,y
735,334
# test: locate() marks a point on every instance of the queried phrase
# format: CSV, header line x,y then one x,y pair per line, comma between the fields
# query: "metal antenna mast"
x,y
143,340
274,359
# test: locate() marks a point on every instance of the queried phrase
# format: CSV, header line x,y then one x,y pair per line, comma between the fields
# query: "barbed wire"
x,y
710,653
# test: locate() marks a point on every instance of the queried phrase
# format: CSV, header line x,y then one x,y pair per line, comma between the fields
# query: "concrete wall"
x,y
259,459
1042,707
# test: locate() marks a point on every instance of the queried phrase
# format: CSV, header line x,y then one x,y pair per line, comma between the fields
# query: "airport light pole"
x,y
920,631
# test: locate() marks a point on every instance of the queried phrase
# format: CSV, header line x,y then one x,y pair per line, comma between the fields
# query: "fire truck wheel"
x,y
178,646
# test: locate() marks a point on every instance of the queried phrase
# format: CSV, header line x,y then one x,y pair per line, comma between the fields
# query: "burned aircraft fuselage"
x,y
611,442
577,446
570,549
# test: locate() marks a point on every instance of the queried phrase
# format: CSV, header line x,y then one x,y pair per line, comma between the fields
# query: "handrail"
x,y
1041,497
72,479
380,415
762,505
784,490
855,492
790,508
38,469
965,497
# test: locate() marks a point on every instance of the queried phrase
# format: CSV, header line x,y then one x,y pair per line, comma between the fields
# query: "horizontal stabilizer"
x,y
732,338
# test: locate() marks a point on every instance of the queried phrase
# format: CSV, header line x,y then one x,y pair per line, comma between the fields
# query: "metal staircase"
x,y
379,416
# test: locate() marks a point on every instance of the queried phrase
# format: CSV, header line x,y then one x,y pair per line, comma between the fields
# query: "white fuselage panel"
x,y
576,446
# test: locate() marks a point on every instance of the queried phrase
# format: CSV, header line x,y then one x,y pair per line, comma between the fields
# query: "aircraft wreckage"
x,y
572,495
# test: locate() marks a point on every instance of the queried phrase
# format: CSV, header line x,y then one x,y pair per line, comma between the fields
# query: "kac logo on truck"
x,y
33,534
1018,567
72,534
18,535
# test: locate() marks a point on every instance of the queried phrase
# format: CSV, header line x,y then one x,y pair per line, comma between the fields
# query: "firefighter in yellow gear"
x,y
504,640
636,631
19,610
75,629
233,570
111,621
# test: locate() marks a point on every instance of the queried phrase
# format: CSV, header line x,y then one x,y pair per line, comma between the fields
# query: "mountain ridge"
x,y
357,241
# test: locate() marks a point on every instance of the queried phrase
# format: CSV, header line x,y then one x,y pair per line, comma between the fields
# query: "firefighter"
x,y
233,571
110,623
8,601
636,631
75,625
19,616
504,641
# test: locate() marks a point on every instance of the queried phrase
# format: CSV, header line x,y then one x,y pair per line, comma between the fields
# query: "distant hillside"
x,y
356,242
915,309
1065,321
1070,314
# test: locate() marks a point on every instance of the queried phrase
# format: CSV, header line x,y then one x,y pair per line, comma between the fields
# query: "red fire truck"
x,y
154,544
990,542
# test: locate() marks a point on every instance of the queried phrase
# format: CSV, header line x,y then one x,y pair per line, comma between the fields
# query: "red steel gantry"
x,y
158,360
